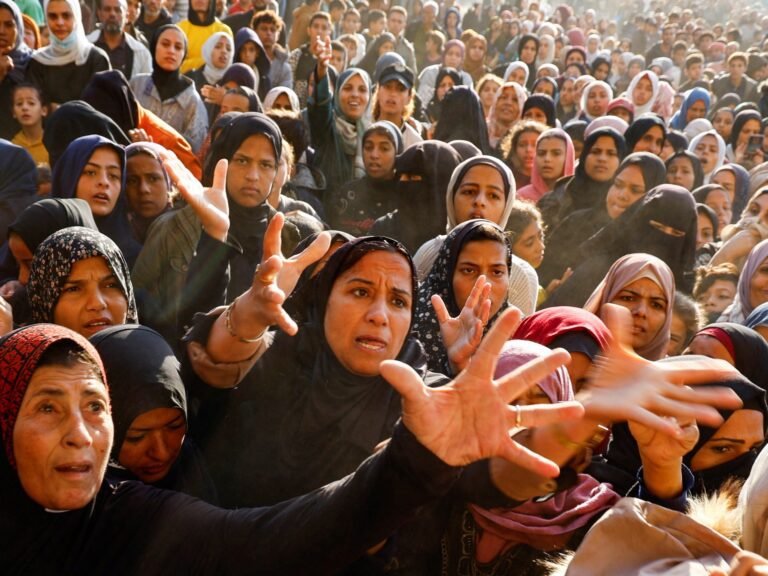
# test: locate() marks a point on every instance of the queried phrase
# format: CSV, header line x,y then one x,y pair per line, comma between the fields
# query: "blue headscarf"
x,y
758,317
679,121
66,175
20,53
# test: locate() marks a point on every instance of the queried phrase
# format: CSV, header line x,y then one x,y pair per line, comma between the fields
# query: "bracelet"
x,y
566,442
230,326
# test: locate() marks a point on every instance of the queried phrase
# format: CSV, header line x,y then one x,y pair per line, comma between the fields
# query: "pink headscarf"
x,y
544,525
576,37
626,270
537,188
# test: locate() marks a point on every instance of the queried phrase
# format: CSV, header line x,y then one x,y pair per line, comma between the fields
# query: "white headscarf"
x,y
212,73
585,95
549,43
514,66
275,93
720,151
74,48
648,106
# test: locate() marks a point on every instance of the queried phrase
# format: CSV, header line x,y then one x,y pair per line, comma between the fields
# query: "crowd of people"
x,y
383,287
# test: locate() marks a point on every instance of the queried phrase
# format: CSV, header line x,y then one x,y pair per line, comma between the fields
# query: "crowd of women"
x,y
460,290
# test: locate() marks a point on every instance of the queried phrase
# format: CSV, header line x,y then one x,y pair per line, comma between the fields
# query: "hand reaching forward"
x,y
625,386
462,335
274,280
470,418
210,204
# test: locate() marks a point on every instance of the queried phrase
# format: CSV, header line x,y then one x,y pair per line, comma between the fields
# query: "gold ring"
x,y
518,416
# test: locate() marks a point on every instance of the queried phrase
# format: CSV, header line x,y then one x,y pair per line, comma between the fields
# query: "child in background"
x,y
29,111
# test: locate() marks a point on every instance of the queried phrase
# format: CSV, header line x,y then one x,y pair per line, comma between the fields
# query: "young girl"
x,y
29,111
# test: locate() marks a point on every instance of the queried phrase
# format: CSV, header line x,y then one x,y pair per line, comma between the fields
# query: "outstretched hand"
x,y
210,204
462,335
625,386
470,419
276,277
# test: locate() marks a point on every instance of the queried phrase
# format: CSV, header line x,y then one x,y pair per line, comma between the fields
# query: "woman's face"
x,y
8,32
100,181
646,301
530,244
603,160
91,299
723,123
251,173
726,179
488,94
353,99
718,296
22,254
720,202
597,101
740,433
628,187
221,53
248,53
442,89
517,76
602,71
60,19
652,141
680,172
550,158
379,157
528,52
758,285
707,151
386,47
453,58
536,114
525,150
282,102
476,52
567,93
152,443
507,106
169,52
145,186
758,209
62,436
234,103
705,232
749,128
482,257
544,88
696,110
480,195
643,91
369,312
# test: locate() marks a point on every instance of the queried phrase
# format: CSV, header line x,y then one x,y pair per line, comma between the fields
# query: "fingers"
x,y
272,237
474,295
525,458
441,312
512,385
267,272
314,251
220,175
748,564
484,360
619,321
406,381
543,414
695,370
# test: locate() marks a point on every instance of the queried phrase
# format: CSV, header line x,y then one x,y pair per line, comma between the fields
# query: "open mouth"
x,y
76,469
370,343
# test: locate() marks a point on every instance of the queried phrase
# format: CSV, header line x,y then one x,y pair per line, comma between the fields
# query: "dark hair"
x,y
485,232
40,95
706,276
267,17
685,307
521,216
69,354
375,16
319,16
293,130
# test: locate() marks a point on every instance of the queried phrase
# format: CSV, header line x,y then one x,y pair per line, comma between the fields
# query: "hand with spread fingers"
x,y
745,564
470,418
462,335
210,204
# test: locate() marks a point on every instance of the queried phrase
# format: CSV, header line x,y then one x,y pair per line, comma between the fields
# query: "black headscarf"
x,y
368,63
43,218
210,18
547,80
172,83
263,64
524,39
440,281
652,167
18,173
544,103
698,172
640,126
749,351
434,106
74,119
738,124
463,119
465,149
66,176
109,93
421,213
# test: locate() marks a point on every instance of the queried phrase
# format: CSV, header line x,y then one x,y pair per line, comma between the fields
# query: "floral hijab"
x,y
53,262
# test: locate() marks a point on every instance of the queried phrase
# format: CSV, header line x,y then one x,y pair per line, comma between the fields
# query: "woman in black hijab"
x,y
646,134
18,183
374,51
663,225
149,410
637,174
463,119
424,170
603,150
541,108
527,51
684,169
434,107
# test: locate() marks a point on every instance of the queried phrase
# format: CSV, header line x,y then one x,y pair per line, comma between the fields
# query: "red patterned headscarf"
x,y
20,354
